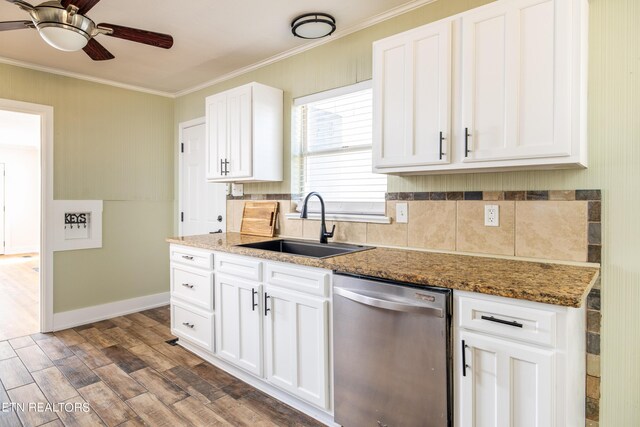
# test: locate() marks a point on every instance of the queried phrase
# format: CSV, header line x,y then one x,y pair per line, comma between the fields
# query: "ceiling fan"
x,y
63,25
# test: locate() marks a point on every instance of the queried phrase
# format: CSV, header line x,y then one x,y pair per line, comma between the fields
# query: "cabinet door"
x,y
239,322
412,93
239,116
505,383
216,134
516,88
297,345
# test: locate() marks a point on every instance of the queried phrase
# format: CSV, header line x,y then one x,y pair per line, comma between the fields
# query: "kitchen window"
x,y
332,133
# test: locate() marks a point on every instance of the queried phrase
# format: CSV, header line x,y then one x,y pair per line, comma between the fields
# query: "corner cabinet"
x,y
518,363
244,134
511,75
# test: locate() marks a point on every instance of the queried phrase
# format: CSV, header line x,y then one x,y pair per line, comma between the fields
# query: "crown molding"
x,y
286,54
291,52
85,77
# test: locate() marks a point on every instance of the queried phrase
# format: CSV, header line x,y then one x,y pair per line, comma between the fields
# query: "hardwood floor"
x,y
20,291
129,376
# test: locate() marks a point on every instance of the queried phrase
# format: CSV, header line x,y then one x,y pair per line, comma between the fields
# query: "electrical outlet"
x,y
237,190
402,213
492,215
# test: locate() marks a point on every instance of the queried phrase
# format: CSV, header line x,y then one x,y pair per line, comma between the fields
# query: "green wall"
x,y
114,145
614,164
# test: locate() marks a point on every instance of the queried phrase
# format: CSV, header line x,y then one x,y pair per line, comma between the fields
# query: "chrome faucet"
x,y
324,234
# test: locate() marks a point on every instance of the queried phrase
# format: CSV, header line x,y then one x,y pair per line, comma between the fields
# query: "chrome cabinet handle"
x,y
186,285
190,258
188,325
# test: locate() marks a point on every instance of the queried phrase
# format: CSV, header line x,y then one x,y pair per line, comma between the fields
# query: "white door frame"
x,y
181,127
46,203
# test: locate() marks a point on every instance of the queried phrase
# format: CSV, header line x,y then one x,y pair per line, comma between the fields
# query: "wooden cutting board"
x,y
259,218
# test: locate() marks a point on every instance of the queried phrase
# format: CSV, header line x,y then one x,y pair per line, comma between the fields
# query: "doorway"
x,y
23,262
20,223
202,206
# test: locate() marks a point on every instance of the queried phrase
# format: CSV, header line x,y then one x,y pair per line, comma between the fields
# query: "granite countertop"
x,y
559,284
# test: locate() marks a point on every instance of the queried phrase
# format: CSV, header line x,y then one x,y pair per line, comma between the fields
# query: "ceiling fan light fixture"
x,y
314,25
63,37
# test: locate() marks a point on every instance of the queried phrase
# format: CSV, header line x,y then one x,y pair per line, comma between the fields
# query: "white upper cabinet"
x,y
517,98
516,91
412,84
244,134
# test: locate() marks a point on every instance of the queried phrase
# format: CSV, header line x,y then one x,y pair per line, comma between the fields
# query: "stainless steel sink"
x,y
308,249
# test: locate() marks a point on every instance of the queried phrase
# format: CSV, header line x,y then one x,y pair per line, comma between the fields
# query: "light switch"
x,y
402,213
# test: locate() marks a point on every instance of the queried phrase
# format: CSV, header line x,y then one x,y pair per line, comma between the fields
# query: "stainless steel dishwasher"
x,y
392,354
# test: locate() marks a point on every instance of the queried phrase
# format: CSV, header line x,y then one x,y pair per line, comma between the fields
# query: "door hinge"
x,y
181,216
182,147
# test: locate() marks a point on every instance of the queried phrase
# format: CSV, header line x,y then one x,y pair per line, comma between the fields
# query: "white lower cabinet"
x,y
505,384
296,344
274,326
517,363
239,325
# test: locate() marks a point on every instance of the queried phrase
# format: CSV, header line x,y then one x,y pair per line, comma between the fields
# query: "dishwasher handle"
x,y
386,304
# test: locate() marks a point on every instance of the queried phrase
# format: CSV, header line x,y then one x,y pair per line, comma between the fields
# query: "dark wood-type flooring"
x,y
129,376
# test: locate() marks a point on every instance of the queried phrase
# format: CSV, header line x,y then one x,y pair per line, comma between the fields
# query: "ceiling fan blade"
x,y
22,4
164,41
83,6
96,51
15,25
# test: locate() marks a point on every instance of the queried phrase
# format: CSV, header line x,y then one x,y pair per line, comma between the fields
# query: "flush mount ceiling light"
x,y
64,25
313,25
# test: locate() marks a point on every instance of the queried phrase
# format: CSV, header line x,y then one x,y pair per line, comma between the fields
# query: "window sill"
x,y
343,217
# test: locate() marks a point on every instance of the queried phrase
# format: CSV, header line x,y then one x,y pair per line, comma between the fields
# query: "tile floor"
x,y
129,376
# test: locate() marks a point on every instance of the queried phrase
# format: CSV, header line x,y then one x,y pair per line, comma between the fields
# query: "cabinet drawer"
x,y
192,324
191,256
308,280
193,285
514,321
247,268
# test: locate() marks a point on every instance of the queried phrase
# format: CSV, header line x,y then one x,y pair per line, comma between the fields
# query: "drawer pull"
x,y
502,321
187,257
186,285
188,325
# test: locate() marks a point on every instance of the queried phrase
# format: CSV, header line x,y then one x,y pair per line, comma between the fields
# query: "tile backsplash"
x,y
556,225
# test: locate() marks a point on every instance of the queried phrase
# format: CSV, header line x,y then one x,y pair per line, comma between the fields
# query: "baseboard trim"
x,y
82,316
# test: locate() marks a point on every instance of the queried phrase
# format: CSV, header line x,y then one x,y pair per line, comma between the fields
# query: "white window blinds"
x,y
334,132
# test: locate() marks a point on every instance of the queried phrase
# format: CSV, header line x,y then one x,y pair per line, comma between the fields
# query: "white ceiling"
x,y
212,37
19,129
